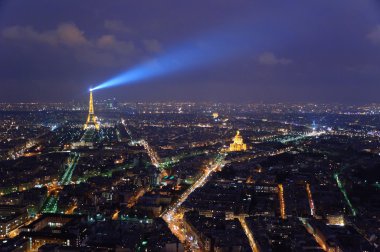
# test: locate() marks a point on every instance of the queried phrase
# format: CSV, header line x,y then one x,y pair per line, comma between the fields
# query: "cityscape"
x,y
98,166
187,176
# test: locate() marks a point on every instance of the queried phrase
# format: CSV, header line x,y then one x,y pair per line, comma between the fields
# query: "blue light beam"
x,y
211,49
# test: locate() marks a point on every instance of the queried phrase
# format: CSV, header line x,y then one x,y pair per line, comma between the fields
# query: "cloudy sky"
x,y
236,50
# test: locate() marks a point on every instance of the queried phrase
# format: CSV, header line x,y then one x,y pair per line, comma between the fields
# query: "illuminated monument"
x,y
91,118
238,144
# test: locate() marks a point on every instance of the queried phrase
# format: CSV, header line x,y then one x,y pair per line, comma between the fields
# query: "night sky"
x,y
252,50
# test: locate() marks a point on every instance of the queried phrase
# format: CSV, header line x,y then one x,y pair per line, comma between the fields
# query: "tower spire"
x,y
91,118
91,105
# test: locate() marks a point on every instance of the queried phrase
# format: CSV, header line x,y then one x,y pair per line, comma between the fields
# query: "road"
x,y
155,159
321,241
282,201
71,164
152,154
249,234
71,209
345,195
173,216
310,198
51,203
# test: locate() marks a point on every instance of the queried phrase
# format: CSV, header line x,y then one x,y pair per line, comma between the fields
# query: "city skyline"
x,y
189,126
188,177
319,52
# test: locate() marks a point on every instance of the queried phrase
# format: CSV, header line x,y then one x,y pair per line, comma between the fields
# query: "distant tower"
x,y
238,144
91,118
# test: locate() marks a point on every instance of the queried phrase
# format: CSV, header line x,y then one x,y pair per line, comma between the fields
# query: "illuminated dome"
x,y
238,143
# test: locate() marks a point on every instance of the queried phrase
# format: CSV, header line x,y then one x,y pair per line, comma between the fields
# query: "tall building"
x,y
238,144
91,118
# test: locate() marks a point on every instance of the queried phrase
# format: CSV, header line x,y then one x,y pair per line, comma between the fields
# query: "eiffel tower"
x,y
91,118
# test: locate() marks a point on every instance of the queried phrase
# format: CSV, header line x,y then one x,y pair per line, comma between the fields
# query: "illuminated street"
x,y
152,154
310,198
315,235
173,215
51,203
282,201
249,234
341,187
71,164
71,209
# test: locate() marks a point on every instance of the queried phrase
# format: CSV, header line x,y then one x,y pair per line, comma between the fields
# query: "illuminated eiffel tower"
x,y
91,118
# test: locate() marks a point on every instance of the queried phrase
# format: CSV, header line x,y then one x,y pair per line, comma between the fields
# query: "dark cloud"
x,y
105,50
109,42
66,34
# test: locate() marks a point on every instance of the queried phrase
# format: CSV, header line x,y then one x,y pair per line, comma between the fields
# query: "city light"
x,y
173,215
311,202
241,126
249,234
282,201
150,157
